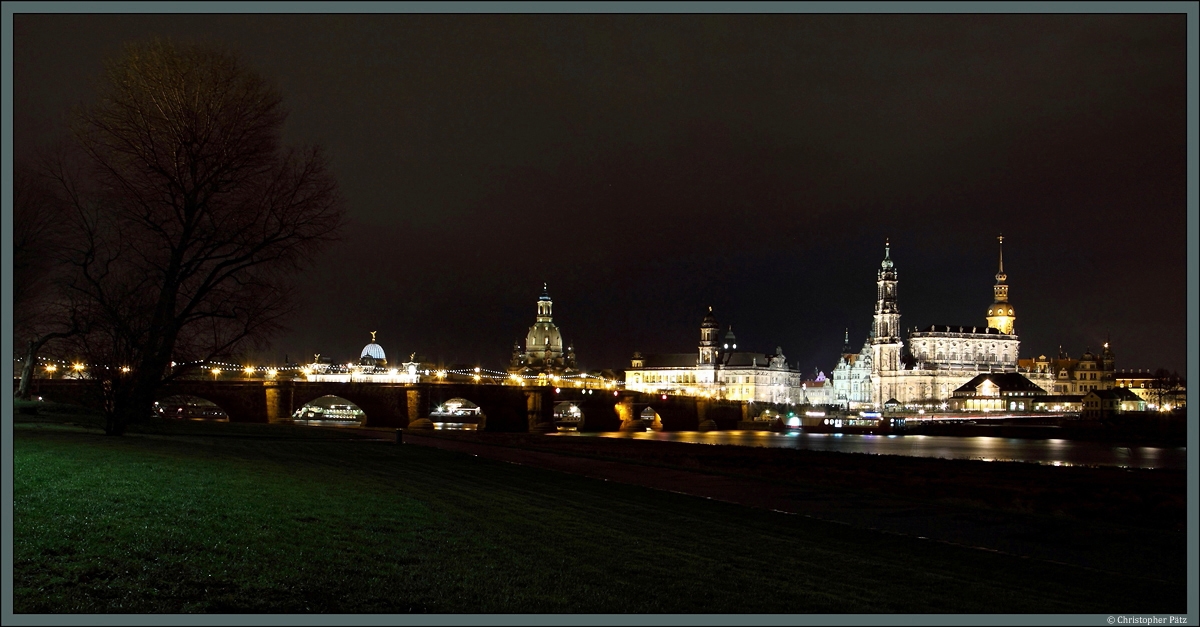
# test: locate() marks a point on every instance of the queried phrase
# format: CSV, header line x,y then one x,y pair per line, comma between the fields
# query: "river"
x,y
1050,452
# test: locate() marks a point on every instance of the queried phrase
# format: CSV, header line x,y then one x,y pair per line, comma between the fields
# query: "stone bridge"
x,y
507,408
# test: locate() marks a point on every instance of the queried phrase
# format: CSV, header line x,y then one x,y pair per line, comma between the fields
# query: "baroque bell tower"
x,y
1001,315
885,331
708,340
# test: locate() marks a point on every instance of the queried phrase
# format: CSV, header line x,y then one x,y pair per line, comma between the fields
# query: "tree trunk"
x,y
114,424
129,402
30,363
36,345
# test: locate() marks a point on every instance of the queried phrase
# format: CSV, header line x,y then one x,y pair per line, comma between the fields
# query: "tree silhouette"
x,y
1164,387
189,219
42,311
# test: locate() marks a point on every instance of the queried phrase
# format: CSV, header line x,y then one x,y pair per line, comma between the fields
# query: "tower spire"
x,y
1000,276
708,339
885,329
1001,315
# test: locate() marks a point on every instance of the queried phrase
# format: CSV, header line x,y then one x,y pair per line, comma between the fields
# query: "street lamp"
x,y
216,372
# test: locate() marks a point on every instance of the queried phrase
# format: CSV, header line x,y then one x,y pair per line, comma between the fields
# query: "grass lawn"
x,y
175,523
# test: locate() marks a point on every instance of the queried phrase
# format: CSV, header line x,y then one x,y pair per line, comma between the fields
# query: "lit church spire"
x,y
1001,315
1000,276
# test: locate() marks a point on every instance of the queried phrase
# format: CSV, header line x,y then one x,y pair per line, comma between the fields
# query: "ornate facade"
x,y
851,377
718,370
940,358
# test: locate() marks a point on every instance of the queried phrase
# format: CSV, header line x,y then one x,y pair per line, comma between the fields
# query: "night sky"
x,y
647,167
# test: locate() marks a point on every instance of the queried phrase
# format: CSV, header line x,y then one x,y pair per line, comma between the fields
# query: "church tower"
x,y
543,343
544,305
708,340
1001,315
1108,361
885,331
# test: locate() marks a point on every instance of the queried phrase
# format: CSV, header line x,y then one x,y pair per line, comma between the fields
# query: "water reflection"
x,y
1055,452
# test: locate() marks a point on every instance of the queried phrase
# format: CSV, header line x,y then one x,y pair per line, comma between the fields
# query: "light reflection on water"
x,y
1054,452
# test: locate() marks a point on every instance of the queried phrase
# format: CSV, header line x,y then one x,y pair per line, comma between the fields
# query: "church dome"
x,y
710,321
543,335
373,350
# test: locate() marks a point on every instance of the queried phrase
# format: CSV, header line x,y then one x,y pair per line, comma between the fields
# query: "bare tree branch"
x,y
193,217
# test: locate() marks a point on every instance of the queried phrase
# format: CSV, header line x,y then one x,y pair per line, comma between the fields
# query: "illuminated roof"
x,y
1117,394
745,360
1006,381
373,350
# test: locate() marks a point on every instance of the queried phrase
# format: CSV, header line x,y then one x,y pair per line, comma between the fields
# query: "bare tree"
x,y
1165,386
189,218
42,312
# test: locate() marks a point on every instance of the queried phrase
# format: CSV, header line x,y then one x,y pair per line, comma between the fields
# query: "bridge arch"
x,y
599,407
458,413
329,410
189,407
676,413
651,420
237,407
568,416
381,405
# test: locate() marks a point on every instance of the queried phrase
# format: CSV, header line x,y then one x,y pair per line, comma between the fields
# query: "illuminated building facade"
x,y
1139,382
372,367
1067,376
816,391
1105,403
997,391
718,370
851,377
544,354
940,359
